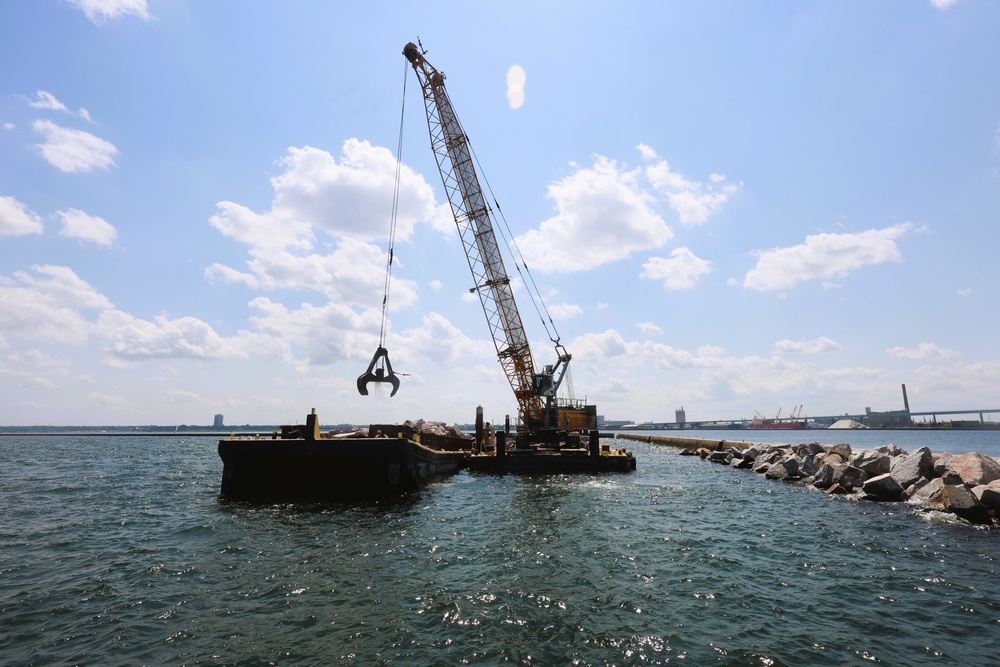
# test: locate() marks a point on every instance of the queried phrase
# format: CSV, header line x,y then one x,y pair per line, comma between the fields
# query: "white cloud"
x,y
967,291
435,285
603,215
16,219
46,100
649,329
48,304
693,201
681,271
824,256
100,11
942,4
607,212
74,150
79,225
8,126
515,86
130,338
350,197
54,304
346,200
439,342
564,311
921,351
815,346
329,333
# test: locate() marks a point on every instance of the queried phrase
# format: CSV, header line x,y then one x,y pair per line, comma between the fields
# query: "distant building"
x,y
218,421
680,417
883,419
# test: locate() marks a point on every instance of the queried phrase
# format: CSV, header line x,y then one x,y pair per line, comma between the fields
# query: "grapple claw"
x,y
378,374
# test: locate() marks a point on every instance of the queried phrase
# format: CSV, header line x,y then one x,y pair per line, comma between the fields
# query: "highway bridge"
x,y
864,418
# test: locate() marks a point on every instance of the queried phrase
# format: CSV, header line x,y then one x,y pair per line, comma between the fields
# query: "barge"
x,y
550,453
303,465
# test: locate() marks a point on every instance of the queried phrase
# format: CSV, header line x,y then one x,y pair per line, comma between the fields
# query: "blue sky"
x,y
731,207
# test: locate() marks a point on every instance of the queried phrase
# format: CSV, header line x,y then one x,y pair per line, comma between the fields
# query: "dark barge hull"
x,y
545,453
317,470
545,462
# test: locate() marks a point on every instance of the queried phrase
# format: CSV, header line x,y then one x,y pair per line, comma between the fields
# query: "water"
x,y
117,551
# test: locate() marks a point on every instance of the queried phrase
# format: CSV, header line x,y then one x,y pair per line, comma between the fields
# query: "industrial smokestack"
x,y
906,402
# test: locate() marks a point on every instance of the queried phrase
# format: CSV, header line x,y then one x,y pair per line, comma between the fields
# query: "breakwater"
x,y
965,485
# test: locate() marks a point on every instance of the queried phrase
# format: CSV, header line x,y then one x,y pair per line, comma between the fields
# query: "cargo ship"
x,y
793,422
776,424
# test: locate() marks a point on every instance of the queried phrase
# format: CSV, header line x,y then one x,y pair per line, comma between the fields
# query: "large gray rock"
x,y
873,463
883,487
807,466
843,450
923,492
942,463
809,449
720,457
890,450
830,458
849,477
765,461
988,495
958,500
911,467
787,468
823,479
976,468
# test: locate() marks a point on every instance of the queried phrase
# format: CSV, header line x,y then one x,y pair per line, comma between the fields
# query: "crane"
x,y
535,391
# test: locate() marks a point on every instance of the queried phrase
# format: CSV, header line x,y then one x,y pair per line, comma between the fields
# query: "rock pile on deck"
x,y
967,485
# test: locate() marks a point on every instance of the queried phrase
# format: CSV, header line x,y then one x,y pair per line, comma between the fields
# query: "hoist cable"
x,y
515,252
395,209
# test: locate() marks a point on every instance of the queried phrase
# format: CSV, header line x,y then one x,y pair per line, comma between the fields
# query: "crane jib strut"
x,y
472,217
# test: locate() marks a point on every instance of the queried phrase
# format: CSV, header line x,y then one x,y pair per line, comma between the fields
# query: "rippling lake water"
x,y
117,551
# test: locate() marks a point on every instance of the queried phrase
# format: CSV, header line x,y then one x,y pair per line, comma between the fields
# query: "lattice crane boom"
x,y
475,228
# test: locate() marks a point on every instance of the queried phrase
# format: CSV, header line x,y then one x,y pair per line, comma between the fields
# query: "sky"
x,y
730,207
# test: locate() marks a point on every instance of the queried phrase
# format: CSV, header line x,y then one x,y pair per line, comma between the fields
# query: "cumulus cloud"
x,y
100,11
79,225
921,351
942,4
606,212
815,346
693,201
603,215
681,271
564,311
824,256
328,333
320,196
16,219
438,341
610,346
649,329
130,338
52,303
515,86
72,150
48,304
